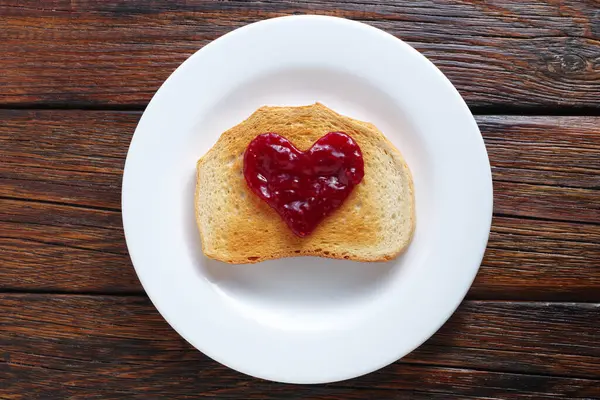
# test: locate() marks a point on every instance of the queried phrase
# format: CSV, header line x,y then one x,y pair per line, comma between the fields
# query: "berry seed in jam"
x,y
303,187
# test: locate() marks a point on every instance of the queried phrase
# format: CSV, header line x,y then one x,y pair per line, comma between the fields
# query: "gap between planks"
x,y
141,294
524,111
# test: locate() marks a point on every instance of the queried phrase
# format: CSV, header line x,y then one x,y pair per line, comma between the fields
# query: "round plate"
x,y
308,320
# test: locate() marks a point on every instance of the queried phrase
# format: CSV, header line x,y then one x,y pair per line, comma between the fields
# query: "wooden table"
x,y
75,77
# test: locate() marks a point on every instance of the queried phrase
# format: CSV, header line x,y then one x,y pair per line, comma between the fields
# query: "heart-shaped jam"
x,y
303,187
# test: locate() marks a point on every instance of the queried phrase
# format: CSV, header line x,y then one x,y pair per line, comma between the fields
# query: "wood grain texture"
x,y
70,157
73,346
60,190
543,167
544,245
94,54
48,247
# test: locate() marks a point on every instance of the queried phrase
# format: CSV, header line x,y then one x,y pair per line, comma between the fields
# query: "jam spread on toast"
x,y
303,186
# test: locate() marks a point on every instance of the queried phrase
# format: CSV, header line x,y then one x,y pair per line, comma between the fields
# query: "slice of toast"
x,y
375,223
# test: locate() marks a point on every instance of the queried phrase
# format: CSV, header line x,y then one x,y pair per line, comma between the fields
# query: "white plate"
x,y
308,320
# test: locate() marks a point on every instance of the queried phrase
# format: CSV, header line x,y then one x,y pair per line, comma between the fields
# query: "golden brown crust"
x,y
375,223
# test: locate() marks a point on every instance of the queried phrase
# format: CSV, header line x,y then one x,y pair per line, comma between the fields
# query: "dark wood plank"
x,y
87,53
548,202
540,260
70,157
550,151
63,226
63,248
71,346
88,388
543,167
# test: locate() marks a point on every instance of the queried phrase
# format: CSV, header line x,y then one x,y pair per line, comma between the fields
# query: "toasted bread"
x,y
375,223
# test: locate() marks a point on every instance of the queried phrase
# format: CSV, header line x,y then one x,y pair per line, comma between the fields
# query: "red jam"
x,y
303,187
